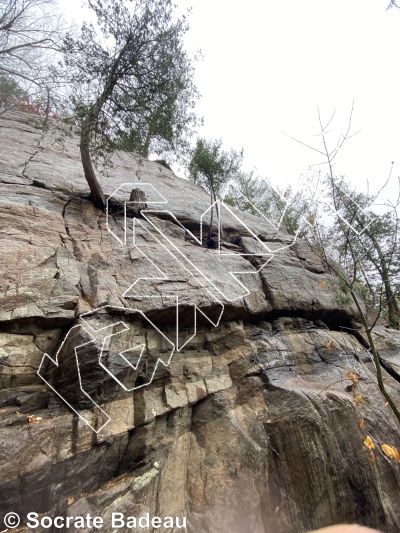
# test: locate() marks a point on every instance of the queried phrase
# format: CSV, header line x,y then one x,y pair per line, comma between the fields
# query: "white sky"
x,y
268,64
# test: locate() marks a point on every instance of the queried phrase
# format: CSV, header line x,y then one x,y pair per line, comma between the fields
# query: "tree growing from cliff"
x,y
358,245
365,246
136,77
375,238
248,192
372,241
212,167
283,208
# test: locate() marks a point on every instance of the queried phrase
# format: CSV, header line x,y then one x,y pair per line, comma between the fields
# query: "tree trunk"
x,y
146,145
210,229
375,356
95,188
47,112
220,228
88,124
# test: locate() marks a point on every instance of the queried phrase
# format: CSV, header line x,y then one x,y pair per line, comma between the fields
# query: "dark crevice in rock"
x,y
336,320
40,184
26,325
5,182
63,215
356,332
29,160
395,375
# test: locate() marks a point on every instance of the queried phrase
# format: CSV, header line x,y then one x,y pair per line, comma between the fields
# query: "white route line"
x,y
90,330
165,278
362,209
133,184
182,260
55,361
134,310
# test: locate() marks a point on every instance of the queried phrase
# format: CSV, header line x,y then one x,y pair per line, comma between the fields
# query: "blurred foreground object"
x,y
346,529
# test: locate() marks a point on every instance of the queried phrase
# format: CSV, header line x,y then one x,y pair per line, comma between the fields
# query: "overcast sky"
x,y
268,65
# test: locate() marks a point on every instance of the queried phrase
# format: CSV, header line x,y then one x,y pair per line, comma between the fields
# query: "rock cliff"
x,y
142,372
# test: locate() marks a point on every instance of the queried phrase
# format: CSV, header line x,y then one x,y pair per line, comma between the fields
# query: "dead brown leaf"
x,y
31,419
359,400
391,452
369,443
355,378
371,458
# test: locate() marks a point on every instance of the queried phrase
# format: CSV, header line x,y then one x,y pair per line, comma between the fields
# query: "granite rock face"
x,y
230,403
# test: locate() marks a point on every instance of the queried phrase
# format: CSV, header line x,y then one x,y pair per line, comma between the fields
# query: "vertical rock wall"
x,y
250,427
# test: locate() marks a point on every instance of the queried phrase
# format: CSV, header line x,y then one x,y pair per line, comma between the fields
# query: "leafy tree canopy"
x,y
10,92
133,84
213,167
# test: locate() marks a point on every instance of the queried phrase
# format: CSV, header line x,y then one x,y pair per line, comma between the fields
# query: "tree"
x,y
168,127
212,167
283,208
29,29
358,243
248,192
31,32
374,243
134,83
11,93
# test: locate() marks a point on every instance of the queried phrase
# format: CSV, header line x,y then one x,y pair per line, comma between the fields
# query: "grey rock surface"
x,y
250,427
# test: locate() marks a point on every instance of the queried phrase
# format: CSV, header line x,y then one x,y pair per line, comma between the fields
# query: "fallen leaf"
x,y
371,458
31,419
330,344
362,423
396,454
391,452
322,284
355,378
369,443
359,400
70,501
